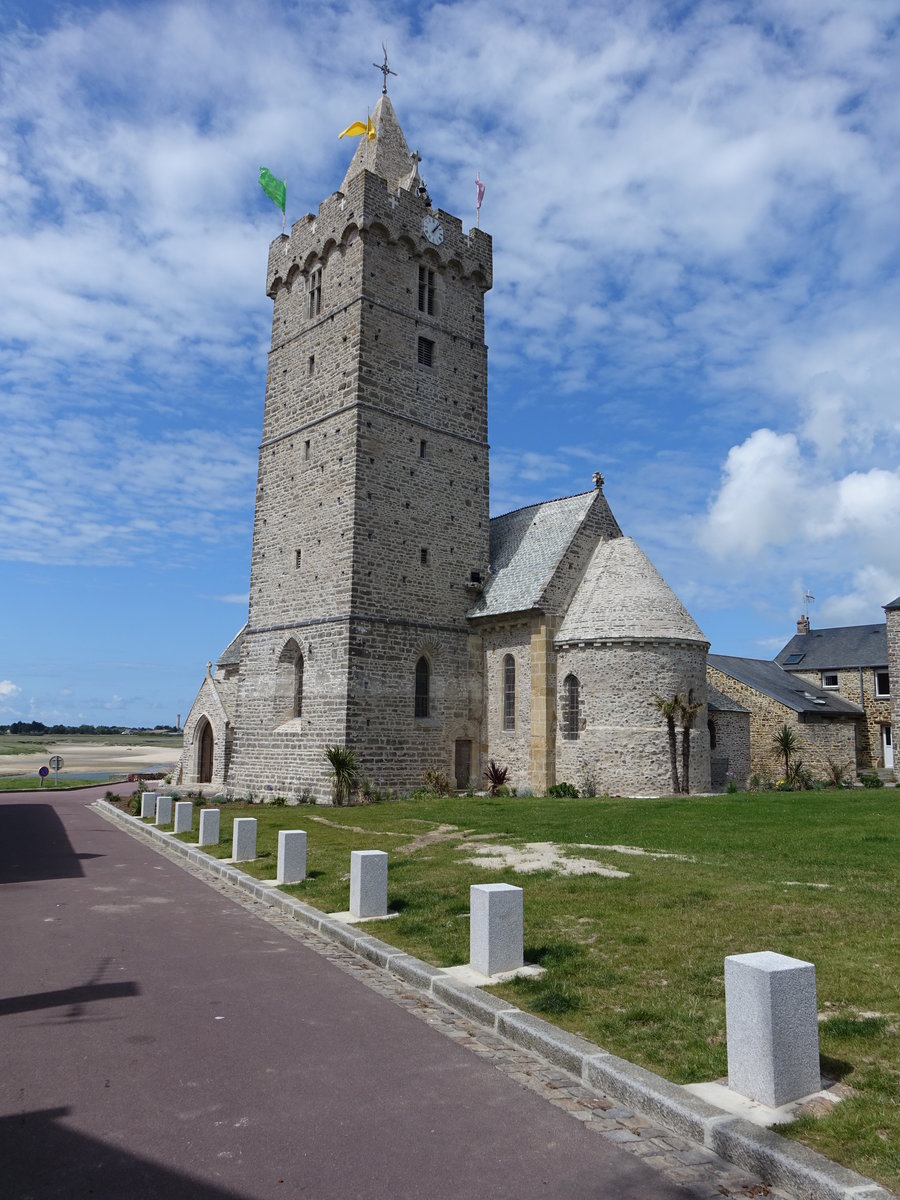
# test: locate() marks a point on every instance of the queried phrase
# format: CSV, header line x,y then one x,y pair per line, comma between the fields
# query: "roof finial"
x,y
384,69
598,481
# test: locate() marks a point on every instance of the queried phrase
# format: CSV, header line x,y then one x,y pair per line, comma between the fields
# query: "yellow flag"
x,y
358,128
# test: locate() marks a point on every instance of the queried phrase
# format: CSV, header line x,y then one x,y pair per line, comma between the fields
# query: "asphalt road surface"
x,y
159,1040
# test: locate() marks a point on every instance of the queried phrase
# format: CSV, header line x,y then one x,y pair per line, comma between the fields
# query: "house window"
x,y
426,291
509,692
829,679
571,705
423,688
315,292
882,683
426,352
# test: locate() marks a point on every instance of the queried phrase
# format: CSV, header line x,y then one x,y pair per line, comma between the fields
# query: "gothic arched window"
x,y
423,687
509,692
571,706
289,683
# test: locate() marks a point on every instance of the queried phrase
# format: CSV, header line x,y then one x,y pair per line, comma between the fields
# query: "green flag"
x,y
274,188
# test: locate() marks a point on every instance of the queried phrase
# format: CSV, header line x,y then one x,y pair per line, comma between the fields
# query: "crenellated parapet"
x,y
369,208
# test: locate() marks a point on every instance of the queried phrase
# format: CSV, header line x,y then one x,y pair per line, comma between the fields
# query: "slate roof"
x,y
768,678
717,701
527,546
834,649
893,604
623,596
231,655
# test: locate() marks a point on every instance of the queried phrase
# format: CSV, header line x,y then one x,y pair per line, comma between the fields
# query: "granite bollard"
x,y
368,883
772,1027
209,827
291,856
148,804
243,842
163,810
184,816
496,928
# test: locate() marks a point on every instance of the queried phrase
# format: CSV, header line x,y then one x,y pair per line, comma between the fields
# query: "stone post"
x,y
163,810
772,1027
291,856
148,804
184,816
368,883
243,842
496,927
209,827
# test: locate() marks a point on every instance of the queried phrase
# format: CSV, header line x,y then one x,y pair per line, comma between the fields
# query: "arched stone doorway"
x,y
207,747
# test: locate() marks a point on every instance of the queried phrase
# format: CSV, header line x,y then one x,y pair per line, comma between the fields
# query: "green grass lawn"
x,y
32,783
636,964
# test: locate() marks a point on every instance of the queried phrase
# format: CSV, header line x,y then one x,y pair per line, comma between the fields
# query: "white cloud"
x,y
8,690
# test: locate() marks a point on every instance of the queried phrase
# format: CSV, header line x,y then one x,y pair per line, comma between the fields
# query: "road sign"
x,y
56,762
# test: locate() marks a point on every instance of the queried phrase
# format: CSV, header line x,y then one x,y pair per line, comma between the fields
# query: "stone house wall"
x,y
730,757
892,616
857,684
819,738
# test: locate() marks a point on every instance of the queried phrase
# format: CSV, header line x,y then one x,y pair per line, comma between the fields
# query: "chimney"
x,y
803,625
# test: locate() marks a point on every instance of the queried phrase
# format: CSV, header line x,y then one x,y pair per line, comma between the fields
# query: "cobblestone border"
x,y
600,1078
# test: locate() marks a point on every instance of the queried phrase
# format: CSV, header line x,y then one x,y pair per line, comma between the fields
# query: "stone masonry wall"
x,y
622,744
508,747
859,688
731,757
818,740
892,616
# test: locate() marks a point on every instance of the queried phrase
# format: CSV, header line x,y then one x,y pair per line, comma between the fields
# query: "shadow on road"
x,y
34,845
44,1160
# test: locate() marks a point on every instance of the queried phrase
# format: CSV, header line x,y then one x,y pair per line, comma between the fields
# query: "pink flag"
x,y
479,193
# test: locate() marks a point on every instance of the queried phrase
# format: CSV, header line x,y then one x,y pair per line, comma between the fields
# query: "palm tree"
x,y
687,711
784,742
345,772
669,709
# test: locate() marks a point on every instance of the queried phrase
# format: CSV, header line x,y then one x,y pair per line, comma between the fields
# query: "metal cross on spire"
x,y
384,69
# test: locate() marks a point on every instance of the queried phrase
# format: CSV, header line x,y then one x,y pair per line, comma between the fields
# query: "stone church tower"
x,y
372,525
388,612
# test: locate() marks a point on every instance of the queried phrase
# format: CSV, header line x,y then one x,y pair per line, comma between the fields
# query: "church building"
x,y
388,613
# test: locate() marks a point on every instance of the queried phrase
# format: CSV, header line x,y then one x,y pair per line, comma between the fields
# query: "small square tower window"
x,y
829,679
426,352
298,557
423,556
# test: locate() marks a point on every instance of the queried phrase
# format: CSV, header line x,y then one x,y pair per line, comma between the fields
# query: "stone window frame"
x,y
830,675
289,684
422,704
314,292
571,723
879,675
427,290
508,693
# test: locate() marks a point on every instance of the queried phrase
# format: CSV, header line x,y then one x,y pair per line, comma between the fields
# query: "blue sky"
x,y
696,249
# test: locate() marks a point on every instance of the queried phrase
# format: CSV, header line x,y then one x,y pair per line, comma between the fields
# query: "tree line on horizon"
x,y
38,727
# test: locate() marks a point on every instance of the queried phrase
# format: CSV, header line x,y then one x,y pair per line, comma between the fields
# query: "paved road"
x,y
158,1040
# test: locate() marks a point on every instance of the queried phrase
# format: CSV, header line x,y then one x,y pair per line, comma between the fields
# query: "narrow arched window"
x,y
509,692
298,685
571,706
423,687
712,734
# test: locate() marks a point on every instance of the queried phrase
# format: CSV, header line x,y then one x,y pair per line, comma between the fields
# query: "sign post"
x,y
56,762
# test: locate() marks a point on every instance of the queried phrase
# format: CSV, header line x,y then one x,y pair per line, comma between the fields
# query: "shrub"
x,y
563,789
436,782
344,771
496,777
871,780
588,784
836,772
731,787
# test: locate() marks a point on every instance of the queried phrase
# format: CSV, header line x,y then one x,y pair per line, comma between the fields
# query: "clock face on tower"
x,y
433,230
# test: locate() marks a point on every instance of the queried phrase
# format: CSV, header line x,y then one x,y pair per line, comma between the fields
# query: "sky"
x,y
694,211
